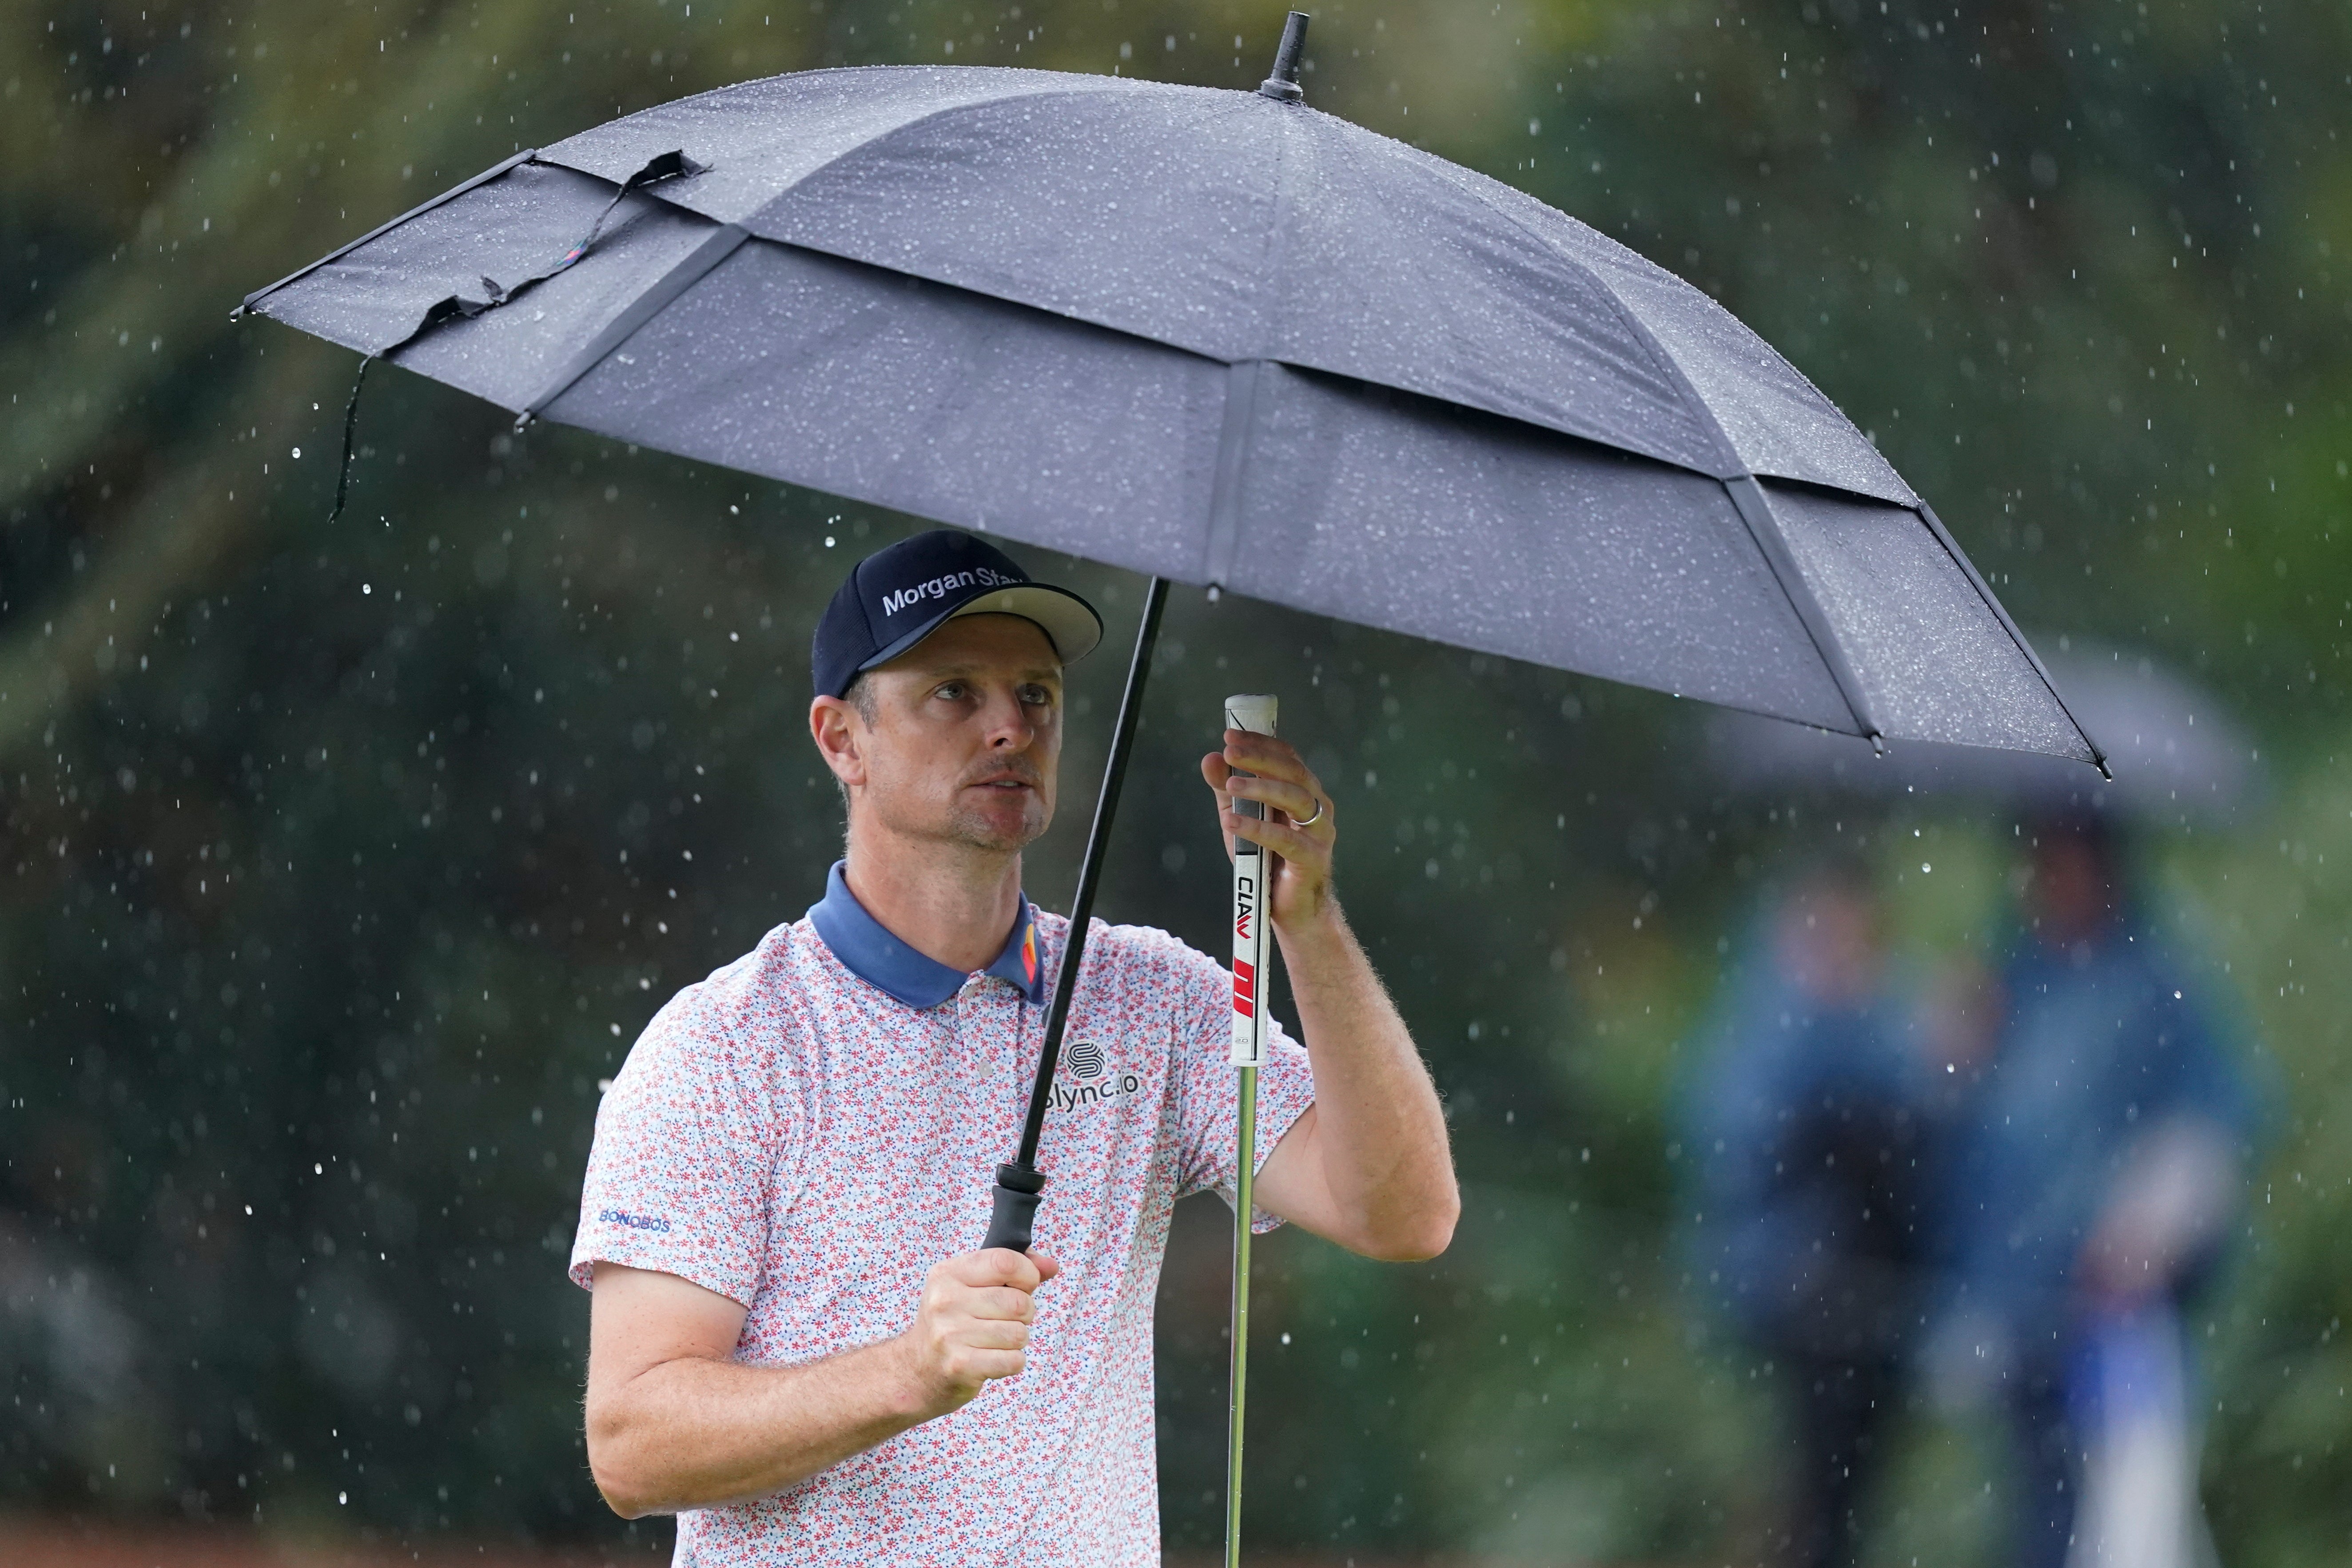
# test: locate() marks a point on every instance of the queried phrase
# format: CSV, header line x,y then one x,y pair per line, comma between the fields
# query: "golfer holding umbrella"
x,y
1258,349
794,1344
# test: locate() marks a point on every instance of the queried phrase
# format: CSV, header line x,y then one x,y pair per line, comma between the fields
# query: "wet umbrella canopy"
x,y
1220,338
1217,337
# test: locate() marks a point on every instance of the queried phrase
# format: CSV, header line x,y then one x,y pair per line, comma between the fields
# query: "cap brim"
x,y
1068,622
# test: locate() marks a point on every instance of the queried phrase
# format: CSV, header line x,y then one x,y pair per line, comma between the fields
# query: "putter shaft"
x,y
1253,948
1243,1205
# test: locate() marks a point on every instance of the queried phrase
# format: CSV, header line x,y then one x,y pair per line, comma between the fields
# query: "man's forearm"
x,y
1378,1135
695,1433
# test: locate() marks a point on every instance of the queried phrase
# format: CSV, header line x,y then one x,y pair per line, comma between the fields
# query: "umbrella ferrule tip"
x,y
1283,85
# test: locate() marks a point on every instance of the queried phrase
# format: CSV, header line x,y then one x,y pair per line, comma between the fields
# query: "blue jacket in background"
x,y
1808,1127
2100,1044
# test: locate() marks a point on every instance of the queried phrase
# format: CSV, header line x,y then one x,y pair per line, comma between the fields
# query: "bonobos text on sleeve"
x,y
703,1119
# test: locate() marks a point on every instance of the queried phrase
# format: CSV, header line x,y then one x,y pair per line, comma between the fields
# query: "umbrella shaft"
x,y
1244,1181
1065,983
1014,1199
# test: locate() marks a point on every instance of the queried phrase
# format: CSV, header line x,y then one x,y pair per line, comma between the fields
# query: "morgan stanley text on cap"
x,y
895,597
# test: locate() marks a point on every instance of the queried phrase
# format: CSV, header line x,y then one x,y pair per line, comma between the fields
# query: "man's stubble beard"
x,y
960,826
973,831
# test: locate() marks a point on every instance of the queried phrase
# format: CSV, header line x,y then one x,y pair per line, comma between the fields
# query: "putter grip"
x,y
1252,712
1255,714
1014,1215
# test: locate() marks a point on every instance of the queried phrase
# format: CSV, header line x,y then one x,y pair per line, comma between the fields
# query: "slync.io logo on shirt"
x,y
1097,1083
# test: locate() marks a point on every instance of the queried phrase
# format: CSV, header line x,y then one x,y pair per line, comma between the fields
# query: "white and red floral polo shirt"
x,y
811,1128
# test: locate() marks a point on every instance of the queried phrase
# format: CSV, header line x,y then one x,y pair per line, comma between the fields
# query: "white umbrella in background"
x,y
2179,756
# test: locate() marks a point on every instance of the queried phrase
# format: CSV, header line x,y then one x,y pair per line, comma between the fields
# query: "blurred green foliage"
x,y
339,864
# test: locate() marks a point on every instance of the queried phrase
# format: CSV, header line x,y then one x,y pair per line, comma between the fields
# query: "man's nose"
x,y
1009,727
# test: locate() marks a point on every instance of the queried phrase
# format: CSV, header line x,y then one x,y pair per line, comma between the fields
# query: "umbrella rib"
x,y
554,155
1984,591
1755,510
1640,327
1242,380
1065,82
1748,498
716,247
1727,454
451,195
1746,494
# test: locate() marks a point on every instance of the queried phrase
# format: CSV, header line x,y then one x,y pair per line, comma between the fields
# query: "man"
x,y
1808,1122
2105,1154
793,1344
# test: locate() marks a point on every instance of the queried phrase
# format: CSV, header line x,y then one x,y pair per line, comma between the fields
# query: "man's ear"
x,y
839,733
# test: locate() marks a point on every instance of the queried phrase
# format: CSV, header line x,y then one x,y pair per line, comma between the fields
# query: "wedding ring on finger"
x,y
1310,821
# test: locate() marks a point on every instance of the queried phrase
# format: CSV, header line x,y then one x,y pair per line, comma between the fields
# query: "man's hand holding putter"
x,y
795,1344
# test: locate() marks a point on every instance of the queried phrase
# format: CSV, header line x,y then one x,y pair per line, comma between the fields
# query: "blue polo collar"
x,y
868,950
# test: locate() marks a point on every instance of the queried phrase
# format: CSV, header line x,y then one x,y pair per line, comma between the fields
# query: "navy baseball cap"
x,y
895,597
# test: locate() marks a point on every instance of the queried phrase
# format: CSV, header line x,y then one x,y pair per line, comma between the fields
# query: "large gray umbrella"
x,y
1214,337
1221,339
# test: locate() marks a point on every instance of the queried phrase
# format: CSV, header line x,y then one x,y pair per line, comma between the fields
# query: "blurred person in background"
x,y
1807,1116
2103,1156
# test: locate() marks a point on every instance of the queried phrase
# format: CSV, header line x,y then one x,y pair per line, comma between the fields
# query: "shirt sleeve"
x,y
687,1144
1207,1087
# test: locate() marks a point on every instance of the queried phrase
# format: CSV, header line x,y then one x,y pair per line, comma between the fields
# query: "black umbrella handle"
x,y
1014,1214
1018,1185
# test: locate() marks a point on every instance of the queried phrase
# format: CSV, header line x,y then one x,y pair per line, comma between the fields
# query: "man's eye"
x,y
1037,697
952,691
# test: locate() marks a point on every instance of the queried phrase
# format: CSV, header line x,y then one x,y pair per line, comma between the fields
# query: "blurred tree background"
x,y
339,864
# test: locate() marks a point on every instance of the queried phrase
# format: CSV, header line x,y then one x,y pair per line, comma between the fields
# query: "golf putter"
x,y
1252,869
